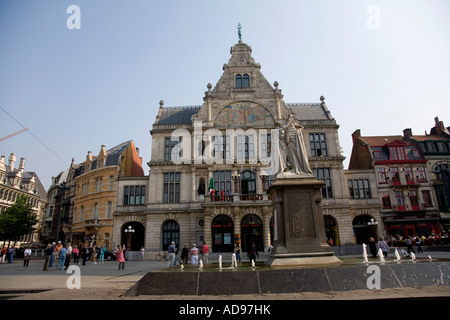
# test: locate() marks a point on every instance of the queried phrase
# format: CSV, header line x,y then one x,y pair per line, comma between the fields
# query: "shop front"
x,y
411,227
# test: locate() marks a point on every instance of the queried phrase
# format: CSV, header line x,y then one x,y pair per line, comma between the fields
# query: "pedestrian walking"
x,y
68,255
61,258
142,253
409,245
194,254
76,255
238,252
84,254
176,254
52,257
93,257
419,244
205,253
101,253
48,254
171,250
372,247
26,256
57,249
382,244
253,253
185,254
3,254
11,252
120,258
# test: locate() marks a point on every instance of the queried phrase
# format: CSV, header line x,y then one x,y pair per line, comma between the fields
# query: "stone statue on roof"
x,y
239,32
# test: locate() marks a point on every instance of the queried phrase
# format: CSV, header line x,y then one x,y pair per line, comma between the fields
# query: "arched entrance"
x,y
170,232
222,233
137,238
331,229
361,229
251,229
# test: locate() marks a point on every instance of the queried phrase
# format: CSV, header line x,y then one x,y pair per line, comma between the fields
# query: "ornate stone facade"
x,y
224,145
16,182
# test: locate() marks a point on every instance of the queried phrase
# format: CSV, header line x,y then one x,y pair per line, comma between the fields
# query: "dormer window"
x,y
242,81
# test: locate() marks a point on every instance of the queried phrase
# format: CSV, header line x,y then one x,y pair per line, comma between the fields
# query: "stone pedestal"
x,y
299,231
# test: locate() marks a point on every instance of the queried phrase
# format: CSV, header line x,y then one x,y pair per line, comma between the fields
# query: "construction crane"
x,y
15,133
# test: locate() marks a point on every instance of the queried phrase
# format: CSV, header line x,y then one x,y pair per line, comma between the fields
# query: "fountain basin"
x,y
353,274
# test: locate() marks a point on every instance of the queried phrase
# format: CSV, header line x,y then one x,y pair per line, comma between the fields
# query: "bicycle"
x,y
159,257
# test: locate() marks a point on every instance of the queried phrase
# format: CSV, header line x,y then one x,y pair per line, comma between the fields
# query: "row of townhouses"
x,y
210,174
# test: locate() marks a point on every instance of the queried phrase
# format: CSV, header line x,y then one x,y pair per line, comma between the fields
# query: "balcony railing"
x,y
410,208
405,183
92,223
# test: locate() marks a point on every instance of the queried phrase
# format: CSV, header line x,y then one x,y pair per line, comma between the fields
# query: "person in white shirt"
x,y
69,254
194,254
26,256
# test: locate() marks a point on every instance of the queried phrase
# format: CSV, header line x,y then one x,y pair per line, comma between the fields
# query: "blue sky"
x,y
101,84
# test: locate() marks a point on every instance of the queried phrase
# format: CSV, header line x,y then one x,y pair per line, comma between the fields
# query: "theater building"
x,y
223,145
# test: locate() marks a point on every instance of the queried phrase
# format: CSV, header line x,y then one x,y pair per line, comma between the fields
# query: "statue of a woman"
x,y
292,151
239,31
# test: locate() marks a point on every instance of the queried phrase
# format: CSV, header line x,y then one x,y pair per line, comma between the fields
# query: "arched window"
x,y
171,232
246,81
238,81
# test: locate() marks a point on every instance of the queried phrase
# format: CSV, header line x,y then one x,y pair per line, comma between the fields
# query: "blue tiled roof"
x,y
178,115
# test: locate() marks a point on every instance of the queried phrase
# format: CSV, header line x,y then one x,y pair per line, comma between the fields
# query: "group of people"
x,y
374,247
7,254
63,254
192,254
222,197
187,253
431,239
384,246
59,254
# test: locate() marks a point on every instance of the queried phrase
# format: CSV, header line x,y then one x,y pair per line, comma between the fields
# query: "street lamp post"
x,y
374,227
129,231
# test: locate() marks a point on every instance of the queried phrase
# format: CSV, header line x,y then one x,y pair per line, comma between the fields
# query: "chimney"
x,y
356,135
22,164
12,160
407,134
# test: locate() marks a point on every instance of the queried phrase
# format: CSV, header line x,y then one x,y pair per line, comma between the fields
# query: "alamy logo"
x,y
374,20
74,20
213,146
374,280
74,280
